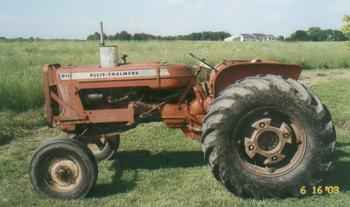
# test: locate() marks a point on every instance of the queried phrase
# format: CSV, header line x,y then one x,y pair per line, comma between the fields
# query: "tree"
x,y
316,34
299,35
207,35
346,26
94,36
145,36
339,36
334,35
124,35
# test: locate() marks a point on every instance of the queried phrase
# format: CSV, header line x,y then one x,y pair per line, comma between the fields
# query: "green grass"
x,y
19,124
157,166
21,62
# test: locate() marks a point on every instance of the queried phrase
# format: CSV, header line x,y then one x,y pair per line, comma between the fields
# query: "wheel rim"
x,y
271,142
63,175
97,145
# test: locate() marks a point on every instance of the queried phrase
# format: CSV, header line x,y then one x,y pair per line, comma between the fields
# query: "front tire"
x,y
268,137
63,169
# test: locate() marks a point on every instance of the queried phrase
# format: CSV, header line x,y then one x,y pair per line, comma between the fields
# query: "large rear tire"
x,y
63,169
266,136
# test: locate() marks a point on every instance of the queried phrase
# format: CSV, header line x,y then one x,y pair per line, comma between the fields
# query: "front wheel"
x,y
64,169
268,137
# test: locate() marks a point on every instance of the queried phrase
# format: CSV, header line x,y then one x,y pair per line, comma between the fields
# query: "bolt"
x,y
262,125
285,135
251,147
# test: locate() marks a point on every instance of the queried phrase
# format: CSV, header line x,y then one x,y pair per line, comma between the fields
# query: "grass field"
x,y
156,166
21,62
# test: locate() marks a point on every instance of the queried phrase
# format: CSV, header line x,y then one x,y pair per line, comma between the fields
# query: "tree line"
x,y
311,34
317,34
124,35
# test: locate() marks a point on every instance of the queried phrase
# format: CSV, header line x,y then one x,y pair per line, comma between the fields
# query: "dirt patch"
x,y
343,124
315,76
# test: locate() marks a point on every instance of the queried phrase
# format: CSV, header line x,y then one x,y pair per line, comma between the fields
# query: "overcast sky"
x,y
78,18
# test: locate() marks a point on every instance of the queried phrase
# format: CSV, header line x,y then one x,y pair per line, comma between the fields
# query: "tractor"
x,y
263,133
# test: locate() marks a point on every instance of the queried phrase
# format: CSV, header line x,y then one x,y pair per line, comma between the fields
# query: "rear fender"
x,y
226,74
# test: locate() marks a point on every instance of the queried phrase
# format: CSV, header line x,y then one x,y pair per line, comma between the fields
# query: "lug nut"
x,y
251,147
274,158
285,135
262,125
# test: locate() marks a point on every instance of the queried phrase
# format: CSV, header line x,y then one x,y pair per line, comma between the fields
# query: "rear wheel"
x,y
64,169
268,137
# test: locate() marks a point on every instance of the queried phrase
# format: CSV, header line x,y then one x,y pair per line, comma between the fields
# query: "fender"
x,y
232,71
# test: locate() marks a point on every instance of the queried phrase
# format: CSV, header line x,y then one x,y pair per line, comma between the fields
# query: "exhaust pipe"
x,y
109,55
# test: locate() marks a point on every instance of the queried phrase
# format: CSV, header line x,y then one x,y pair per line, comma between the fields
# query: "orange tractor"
x,y
263,133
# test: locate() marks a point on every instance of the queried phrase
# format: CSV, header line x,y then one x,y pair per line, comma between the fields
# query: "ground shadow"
x,y
340,174
143,159
343,144
118,184
4,140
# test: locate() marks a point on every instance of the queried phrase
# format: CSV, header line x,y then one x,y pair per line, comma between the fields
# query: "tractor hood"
x,y
152,75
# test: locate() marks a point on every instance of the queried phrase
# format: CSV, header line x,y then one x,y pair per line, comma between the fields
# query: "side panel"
x,y
62,87
228,74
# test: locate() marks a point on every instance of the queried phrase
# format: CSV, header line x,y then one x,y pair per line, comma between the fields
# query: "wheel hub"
x,y
268,141
64,174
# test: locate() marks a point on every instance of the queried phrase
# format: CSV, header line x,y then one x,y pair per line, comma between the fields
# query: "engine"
x,y
94,99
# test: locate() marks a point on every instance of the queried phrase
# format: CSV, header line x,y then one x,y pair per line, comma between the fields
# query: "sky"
x,y
78,18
